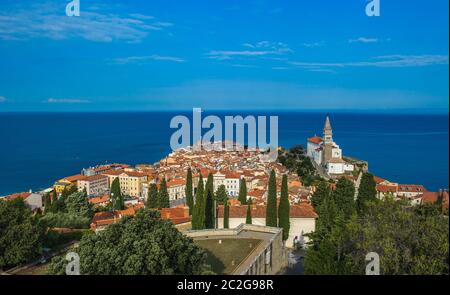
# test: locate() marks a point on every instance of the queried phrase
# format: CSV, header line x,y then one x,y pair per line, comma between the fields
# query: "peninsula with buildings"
x,y
241,183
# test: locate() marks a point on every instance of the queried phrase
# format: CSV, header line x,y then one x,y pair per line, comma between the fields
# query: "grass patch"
x,y
225,257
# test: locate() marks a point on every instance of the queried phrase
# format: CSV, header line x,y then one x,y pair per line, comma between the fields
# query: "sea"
x,y
36,149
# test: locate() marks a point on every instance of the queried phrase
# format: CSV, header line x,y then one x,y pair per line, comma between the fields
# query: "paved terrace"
x,y
244,231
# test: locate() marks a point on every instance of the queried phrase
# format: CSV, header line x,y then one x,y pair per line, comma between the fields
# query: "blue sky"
x,y
224,54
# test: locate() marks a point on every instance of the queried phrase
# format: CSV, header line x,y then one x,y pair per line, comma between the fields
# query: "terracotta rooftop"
x,y
315,139
74,178
411,188
18,195
99,200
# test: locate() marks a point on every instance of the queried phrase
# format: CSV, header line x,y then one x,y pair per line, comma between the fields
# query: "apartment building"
x,y
130,181
94,185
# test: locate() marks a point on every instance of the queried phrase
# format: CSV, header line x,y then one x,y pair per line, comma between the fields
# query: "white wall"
x,y
335,168
298,225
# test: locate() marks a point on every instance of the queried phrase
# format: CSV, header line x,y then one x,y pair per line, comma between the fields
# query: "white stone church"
x,y
326,153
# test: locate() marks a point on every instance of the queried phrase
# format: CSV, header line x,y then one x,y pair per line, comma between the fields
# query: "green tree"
x,y
322,191
271,209
20,234
284,209
344,196
242,197
143,245
209,203
226,215
222,198
152,198
198,216
58,203
116,195
47,202
248,218
367,191
408,242
189,191
78,204
221,194
163,195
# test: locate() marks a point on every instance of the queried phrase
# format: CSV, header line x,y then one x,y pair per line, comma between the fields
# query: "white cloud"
x,y
66,100
259,49
386,61
313,44
2,99
143,59
49,21
363,40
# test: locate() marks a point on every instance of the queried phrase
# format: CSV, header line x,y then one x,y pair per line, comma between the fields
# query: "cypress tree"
x,y
209,203
322,191
367,191
283,209
188,191
221,194
163,195
271,209
242,197
116,195
47,203
226,215
198,216
328,212
344,196
152,198
248,218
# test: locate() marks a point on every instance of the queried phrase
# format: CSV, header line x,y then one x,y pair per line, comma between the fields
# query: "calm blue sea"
x,y
38,148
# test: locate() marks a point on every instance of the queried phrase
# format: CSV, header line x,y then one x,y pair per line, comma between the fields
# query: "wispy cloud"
x,y
145,59
386,61
314,44
364,40
2,99
49,21
260,49
66,100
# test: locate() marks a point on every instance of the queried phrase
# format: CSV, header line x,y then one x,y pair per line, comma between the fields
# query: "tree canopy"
x,y
242,197
163,195
198,215
152,198
20,233
283,209
367,191
408,240
116,195
189,191
143,245
271,210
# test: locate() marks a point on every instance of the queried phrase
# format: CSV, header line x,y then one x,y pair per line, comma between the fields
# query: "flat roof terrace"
x,y
233,251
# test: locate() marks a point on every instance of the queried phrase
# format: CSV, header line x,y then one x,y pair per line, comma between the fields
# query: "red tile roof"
x,y
378,180
411,188
231,174
74,178
94,177
383,188
99,200
315,139
432,197
18,195
176,182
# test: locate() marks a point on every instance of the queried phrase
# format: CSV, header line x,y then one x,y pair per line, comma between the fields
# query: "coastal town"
x,y
238,171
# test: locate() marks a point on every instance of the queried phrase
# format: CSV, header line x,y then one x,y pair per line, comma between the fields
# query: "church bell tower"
x,y
327,131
